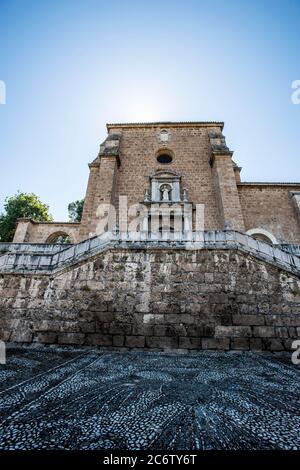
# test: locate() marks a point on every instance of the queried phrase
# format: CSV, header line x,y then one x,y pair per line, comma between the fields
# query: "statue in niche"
x,y
165,191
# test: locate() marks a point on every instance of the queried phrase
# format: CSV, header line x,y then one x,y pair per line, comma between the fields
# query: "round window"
x,y
164,158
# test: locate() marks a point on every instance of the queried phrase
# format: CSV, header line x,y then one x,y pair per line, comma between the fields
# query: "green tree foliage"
x,y
75,210
20,205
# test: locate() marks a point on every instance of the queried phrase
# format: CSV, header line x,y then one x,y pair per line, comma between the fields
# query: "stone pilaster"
x,y
226,184
23,230
101,184
296,201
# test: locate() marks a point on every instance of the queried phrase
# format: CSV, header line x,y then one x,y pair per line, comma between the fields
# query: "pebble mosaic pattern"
x,y
90,399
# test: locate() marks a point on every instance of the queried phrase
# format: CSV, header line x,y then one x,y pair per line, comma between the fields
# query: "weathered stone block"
x,y
193,308
141,329
170,330
233,331
219,298
153,318
47,338
209,277
162,342
248,308
144,308
21,336
281,332
87,327
248,320
288,344
97,339
183,318
118,340
256,344
70,338
197,330
240,343
189,343
225,319
135,341
273,344
263,307
103,316
216,343
263,331
120,328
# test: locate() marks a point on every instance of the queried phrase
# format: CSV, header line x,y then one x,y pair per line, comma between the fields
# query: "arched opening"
x,y
262,235
61,238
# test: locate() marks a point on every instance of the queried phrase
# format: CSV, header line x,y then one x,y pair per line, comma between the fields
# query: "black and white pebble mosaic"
x,y
91,399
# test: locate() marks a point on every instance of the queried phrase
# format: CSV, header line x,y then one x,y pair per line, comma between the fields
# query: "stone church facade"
x,y
173,251
202,163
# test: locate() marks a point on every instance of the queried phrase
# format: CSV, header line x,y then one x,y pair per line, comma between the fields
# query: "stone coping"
x,y
51,222
33,248
41,260
166,123
264,183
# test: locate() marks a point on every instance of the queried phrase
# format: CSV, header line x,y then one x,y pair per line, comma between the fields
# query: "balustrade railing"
x,y
45,258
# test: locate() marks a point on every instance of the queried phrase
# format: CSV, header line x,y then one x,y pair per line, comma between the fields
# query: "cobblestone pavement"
x,y
92,399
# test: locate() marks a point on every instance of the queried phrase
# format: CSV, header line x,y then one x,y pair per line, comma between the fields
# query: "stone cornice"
x,y
246,183
95,163
129,125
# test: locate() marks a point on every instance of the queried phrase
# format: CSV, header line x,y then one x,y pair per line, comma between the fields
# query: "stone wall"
x,y
157,299
39,232
271,208
139,145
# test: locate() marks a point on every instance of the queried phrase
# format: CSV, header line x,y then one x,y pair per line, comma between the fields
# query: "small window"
x,y
164,158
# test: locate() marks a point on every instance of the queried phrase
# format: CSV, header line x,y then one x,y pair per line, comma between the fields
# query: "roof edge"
x,y
127,125
250,183
52,222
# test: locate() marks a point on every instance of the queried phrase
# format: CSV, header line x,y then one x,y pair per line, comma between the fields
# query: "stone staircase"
x,y
48,259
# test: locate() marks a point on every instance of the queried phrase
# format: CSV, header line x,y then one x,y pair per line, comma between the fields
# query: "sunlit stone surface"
x,y
90,399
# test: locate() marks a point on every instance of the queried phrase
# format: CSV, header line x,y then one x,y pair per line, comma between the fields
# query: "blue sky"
x,y
72,66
